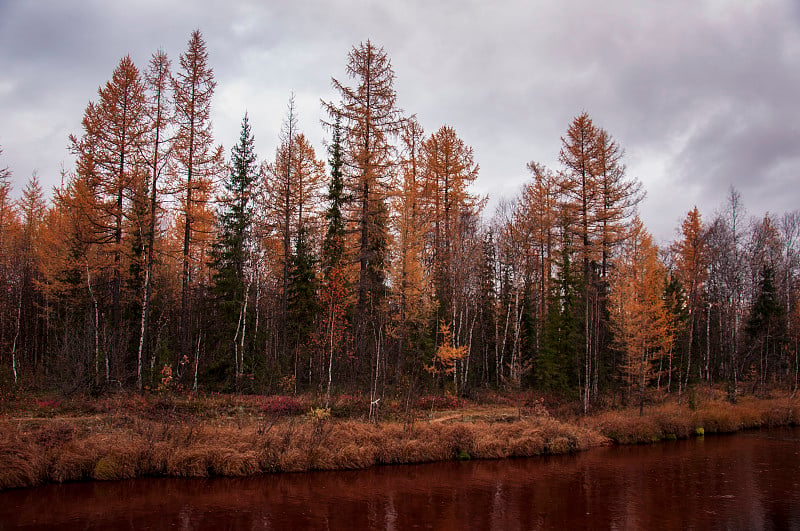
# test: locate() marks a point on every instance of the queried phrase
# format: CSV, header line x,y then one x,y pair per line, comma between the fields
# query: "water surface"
x,y
746,481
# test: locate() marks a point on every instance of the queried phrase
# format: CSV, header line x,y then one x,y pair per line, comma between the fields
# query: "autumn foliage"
x,y
376,273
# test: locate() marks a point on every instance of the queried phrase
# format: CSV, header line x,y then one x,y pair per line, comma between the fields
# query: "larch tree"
x,y
582,198
282,192
449,169
410,220
369,119
308,175
31,207
110,163
619,196
72,267
198,164
639,314
159,115
303,302
692,262
538,215
601,201
293,183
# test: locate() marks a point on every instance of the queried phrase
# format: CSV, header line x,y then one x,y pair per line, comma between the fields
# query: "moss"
x,y
115,466
106,468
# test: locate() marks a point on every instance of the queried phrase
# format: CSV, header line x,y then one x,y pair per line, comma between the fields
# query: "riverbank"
x,y
132,436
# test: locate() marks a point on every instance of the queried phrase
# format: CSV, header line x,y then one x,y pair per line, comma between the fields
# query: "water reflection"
x,y
745,481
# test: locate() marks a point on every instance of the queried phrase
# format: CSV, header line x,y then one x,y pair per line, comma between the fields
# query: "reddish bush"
x,y
283,406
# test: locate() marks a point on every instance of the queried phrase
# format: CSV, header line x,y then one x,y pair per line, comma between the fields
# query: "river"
x,y
750,480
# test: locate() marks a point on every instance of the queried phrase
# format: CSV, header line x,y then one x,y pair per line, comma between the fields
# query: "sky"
x,y
703,95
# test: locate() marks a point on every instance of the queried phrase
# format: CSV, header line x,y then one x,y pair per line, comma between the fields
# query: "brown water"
x,y
745,481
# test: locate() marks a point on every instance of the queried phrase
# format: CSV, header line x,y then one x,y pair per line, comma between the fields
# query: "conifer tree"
x,y
32,208
333,247
292,181
555,367
370,119
198,163
642,325
110,164
691,261
410,222
449,170
233,250
159,112
335,288
303,304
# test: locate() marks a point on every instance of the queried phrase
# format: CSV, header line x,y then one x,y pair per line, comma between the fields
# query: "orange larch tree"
x,y
159,114
409,220
618,197
537,215
449,169
110,164
197,166
639,315
691,268
29,328
582,198
370,119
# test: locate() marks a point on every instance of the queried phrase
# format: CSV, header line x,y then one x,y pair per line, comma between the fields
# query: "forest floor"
x,y
49,439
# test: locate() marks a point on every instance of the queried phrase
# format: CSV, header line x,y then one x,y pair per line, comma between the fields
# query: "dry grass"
x,y
120,446
670,420
21,465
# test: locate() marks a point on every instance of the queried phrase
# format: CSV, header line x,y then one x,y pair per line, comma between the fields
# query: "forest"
x,y
368,266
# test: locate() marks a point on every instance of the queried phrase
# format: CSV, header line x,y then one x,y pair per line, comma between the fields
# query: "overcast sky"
x,y
703,95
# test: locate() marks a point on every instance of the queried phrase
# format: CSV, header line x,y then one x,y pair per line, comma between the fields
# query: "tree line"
x,y
371,267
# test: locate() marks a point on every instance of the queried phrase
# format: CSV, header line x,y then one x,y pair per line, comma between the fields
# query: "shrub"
x,y
283,406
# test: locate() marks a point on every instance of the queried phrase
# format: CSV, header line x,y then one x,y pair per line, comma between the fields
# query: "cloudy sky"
x,y
702,94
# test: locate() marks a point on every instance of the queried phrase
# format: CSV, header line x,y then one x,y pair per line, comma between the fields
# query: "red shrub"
x,y
283,406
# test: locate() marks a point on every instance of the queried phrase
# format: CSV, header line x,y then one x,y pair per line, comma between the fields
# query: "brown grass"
x,y
671,420
111,446
21,465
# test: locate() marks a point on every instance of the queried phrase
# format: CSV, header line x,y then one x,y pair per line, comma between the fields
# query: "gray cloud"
x,y
700,94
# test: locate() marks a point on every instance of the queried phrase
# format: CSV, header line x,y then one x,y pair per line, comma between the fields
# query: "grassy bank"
x,y
673,421
131,436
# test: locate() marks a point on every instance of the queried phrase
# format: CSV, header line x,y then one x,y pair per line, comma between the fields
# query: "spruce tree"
x,y
335,285
303,304
333,245
555,368
231,258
